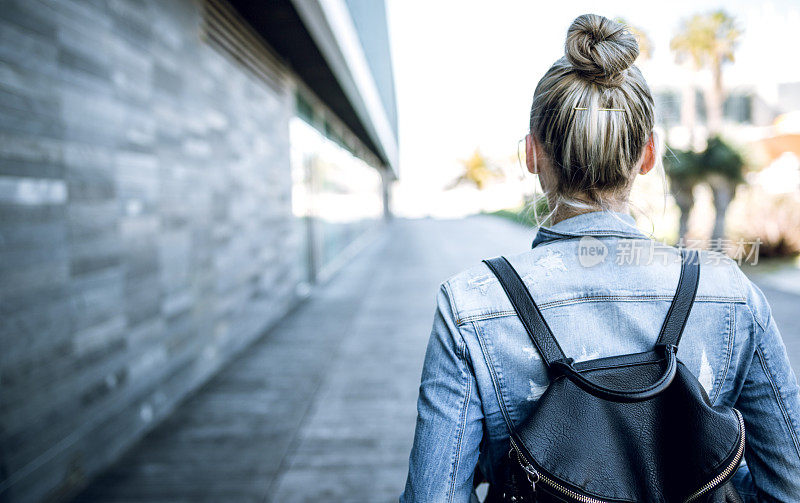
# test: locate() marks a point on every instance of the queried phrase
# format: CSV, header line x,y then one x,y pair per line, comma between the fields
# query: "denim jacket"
x,y
604,288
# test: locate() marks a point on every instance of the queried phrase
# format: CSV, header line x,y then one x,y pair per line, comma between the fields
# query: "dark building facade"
x,y
174,177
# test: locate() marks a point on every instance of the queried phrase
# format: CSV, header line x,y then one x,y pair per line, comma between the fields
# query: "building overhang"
x,y
318,41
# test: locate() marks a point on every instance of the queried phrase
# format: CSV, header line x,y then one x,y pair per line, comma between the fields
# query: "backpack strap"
x,y
527,310
540,333
672,329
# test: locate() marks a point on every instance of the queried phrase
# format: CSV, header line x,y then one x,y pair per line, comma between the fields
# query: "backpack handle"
x,y
564,367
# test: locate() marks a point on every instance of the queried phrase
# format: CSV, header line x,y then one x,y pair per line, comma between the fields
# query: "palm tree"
x,y
683,169
479,171
686,168
724,171
708,41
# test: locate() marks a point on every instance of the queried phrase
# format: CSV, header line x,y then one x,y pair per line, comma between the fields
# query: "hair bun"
x,y
600,49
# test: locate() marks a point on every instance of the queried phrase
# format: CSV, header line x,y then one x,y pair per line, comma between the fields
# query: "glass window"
x,y
336,196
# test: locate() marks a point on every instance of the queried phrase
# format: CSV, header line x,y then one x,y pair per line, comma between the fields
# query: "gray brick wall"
x,y
146,232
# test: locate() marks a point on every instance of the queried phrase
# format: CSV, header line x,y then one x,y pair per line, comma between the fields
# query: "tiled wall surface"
x,y
145,226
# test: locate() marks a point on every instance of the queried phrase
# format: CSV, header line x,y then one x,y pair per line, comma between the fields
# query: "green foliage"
x,y
515,215
683,166
538,207
524,214
719,157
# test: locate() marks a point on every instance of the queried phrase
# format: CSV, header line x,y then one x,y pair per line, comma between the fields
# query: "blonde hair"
x,y
593,113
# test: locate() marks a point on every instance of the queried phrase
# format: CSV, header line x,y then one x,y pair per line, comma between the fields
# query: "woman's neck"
x,y
565,212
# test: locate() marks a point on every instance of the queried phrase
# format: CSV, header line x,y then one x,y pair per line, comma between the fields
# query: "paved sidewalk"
x,y
784,276
323,407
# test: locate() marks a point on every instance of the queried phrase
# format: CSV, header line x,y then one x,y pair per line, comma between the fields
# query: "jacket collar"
x,y
595,223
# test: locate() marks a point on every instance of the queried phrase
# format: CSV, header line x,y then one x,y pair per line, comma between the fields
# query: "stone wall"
x,y
146,232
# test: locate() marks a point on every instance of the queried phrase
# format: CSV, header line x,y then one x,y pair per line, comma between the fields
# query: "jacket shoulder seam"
x,y
598,298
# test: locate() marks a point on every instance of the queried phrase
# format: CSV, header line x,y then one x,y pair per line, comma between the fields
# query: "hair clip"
x,y
602,109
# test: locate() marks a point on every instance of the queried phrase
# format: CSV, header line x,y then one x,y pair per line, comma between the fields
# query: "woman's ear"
x,y
649,157
530,154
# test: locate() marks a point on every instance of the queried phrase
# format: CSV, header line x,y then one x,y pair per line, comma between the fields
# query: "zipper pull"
x,y
533,476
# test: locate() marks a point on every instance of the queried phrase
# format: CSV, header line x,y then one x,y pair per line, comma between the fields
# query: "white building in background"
x,y
762,119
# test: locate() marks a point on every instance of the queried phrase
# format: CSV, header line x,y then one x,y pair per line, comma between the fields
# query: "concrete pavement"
x,y
322,408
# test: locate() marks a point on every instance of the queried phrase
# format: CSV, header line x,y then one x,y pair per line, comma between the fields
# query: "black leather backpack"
x,y
629,428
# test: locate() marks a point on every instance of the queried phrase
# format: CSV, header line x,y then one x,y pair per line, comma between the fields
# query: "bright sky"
x,y
466,69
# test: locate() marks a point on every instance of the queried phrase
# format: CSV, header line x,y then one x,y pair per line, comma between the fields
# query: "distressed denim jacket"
x,y
604,288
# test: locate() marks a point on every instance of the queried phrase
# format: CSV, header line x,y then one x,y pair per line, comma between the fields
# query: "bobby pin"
x,y
602,109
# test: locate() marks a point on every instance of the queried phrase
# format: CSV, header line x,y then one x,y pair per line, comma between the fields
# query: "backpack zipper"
x,y
728,471
535,476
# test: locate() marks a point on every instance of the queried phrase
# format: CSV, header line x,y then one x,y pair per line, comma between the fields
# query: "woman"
x,y
602,286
